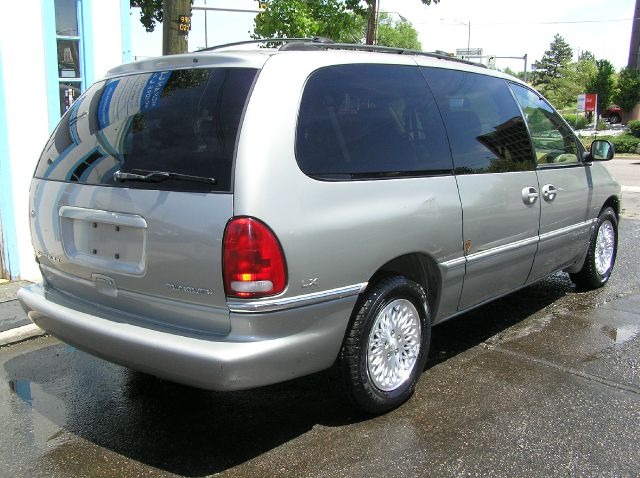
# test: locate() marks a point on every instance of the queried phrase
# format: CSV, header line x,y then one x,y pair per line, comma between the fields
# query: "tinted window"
x,y
485,127
182,121
368,121
553,140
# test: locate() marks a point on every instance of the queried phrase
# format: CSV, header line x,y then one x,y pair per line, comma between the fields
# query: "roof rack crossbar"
x,y
314,41
374,48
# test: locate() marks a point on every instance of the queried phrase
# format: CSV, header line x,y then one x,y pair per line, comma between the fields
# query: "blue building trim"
x,y
125,25
51,61
85,29
9,235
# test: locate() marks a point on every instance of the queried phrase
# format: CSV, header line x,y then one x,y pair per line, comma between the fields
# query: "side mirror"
x,y
601,150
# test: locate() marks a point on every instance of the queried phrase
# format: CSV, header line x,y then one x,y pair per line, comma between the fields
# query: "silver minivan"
x,y
235,218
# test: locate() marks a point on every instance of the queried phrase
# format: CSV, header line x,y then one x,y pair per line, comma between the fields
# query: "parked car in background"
x,y
613,114
229,218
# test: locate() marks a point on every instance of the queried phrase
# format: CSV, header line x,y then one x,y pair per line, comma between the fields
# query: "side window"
x,y
486,130
370,121
553,140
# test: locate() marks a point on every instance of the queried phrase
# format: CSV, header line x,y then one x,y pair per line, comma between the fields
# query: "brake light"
x,y
253,262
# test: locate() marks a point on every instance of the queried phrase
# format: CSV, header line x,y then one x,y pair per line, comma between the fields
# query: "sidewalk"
x,y
14,324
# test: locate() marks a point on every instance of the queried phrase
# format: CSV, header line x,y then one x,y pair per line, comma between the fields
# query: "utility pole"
x,y
634,43
175,26
372,23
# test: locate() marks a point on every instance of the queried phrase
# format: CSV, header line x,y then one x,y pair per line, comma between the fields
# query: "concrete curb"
x,y
19,334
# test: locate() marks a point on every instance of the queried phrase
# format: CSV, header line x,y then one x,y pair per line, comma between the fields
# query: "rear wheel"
x,y
601,256
614,118
386,345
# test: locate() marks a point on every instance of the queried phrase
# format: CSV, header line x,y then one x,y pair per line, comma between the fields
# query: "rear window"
x,y
176,121
370,121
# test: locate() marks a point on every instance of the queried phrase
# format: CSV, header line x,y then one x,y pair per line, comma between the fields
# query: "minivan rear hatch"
x,y
132,193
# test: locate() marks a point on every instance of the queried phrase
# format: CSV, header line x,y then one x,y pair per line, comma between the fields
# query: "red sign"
x,y
590,101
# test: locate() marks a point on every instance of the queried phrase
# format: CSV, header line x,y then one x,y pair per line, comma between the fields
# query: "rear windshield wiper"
x,y
159,176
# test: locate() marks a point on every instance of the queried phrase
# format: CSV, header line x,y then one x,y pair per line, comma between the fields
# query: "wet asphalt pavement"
x,y
544,382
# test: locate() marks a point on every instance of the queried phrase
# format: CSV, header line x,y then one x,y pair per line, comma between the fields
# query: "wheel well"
x,y
419,268
614,203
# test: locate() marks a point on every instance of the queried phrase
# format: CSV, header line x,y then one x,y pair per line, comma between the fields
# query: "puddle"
x,y
621,335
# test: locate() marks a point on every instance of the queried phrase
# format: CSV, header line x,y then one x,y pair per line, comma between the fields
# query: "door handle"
x,y
529,195
549,192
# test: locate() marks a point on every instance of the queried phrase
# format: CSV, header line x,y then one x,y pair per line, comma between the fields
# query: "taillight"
x,y
254,264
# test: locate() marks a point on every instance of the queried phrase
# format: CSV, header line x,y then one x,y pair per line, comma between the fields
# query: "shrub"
x,y
624,143
634,126
571,119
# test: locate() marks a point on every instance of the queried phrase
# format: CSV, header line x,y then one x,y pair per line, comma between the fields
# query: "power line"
x,y
559,23
540,23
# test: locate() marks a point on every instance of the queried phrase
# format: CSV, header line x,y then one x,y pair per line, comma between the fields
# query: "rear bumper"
x,y
262,348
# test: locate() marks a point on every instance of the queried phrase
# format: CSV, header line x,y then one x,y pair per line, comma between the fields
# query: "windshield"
x,y
177,121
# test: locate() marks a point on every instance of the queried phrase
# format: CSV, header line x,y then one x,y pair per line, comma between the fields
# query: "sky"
x,y
499,27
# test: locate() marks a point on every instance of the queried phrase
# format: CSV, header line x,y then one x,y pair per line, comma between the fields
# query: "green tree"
x,y
307,18
154,11
587,55
627,93
602,83
572,80
342,21
151,12
554,59
399,34
519,74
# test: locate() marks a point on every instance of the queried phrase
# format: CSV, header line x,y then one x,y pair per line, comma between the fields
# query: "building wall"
x,y
27,129
30,106
634,114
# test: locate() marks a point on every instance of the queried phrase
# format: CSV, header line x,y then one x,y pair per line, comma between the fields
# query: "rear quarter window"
x,y
179,121
370,121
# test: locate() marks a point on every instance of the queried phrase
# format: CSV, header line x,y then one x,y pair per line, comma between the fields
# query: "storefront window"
x,y
66,18
69,57
69,92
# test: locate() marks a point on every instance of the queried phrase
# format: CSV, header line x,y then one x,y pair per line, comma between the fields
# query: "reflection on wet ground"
x,y
526,385
621,334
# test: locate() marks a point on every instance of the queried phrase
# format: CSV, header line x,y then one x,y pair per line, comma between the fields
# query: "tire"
x,y
601,255
372,346
614,118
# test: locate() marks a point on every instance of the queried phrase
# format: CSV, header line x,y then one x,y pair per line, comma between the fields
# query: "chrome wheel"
x,y
394,344
605,245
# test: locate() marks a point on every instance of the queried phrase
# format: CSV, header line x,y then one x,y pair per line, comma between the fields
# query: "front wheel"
x,y
386,345
601,255
614,118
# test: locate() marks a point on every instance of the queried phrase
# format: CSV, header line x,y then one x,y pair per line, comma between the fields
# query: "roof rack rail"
x,y
301,45
308,41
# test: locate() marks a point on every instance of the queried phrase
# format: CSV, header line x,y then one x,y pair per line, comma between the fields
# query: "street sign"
x,y
581,102
590,101
468,52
